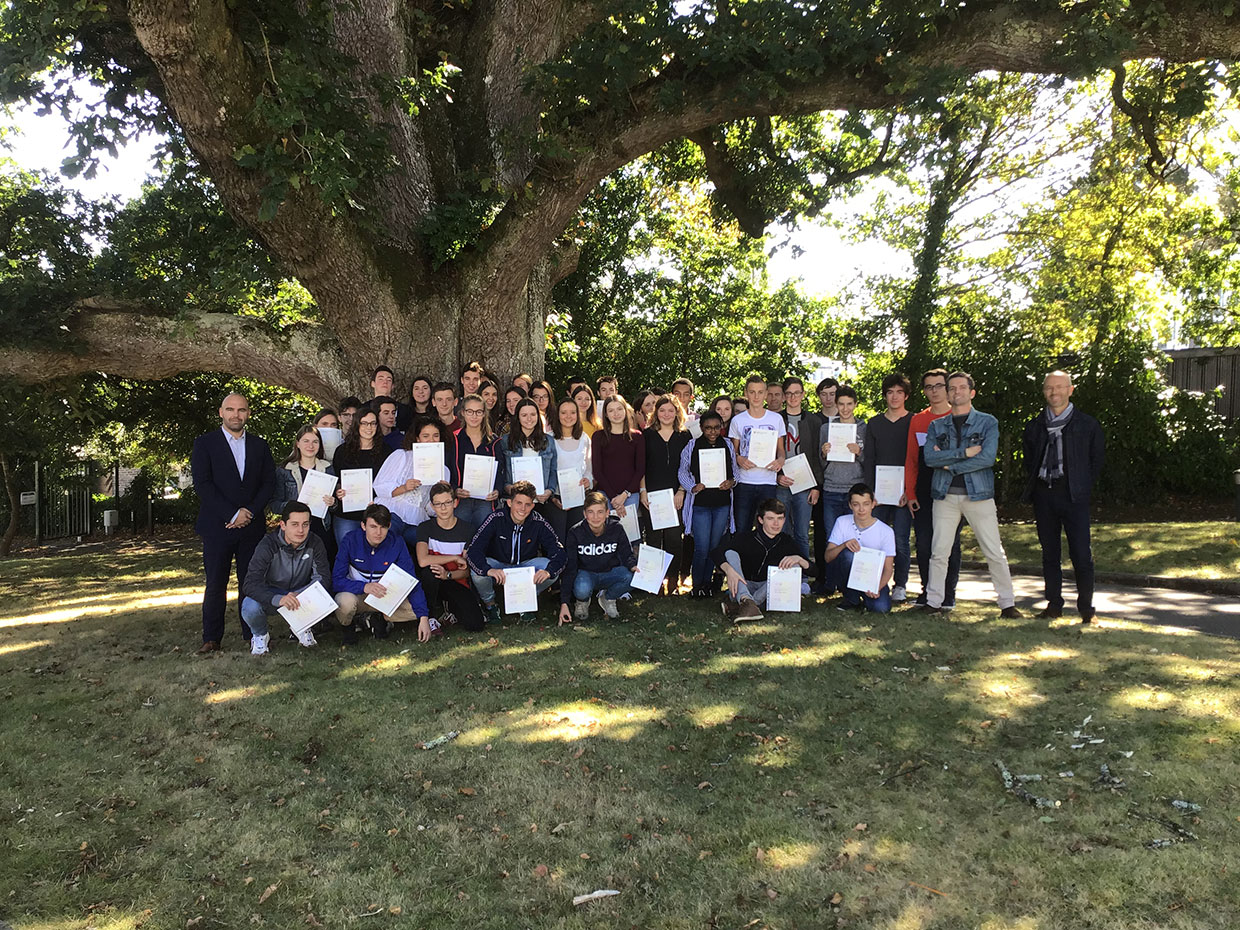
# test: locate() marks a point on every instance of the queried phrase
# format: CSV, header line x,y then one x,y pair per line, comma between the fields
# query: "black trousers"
x,y
460,599
1055,513
218,555
923,527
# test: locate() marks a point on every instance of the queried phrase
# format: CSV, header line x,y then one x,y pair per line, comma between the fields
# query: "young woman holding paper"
x,y
708,508
362,448
305,456
526,439
665,440
475,438
572,447
396,488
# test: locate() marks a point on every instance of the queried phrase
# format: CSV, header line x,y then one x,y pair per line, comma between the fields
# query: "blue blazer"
x,y
222,492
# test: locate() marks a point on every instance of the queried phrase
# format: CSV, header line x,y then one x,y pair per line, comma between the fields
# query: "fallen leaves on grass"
x,y
268,892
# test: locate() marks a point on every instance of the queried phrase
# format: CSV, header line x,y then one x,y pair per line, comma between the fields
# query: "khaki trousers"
x,y
984,521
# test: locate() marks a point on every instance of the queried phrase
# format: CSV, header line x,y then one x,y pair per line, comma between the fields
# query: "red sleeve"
x,y
911,458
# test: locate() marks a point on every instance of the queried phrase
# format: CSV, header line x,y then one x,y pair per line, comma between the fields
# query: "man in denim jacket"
x,y
961,449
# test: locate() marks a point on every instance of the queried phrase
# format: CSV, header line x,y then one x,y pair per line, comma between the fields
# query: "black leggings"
x,y
458,598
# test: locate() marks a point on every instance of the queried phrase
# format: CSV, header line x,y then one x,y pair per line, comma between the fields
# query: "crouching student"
x,y
512,537
600,558
849,534
287,561
441,566
745,556
364,556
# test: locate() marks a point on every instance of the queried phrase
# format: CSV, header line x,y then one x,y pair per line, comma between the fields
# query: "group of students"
x,y
716,492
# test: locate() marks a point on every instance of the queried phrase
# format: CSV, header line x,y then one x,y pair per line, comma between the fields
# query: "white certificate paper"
x,y
529,468
652,566
358,492
478,478
398,583
888,484
762,443
332,438
840,435
572,494
629,522
783,588
314,603
314,487
663,515
797,468
713,466
427,461
867,570
520,593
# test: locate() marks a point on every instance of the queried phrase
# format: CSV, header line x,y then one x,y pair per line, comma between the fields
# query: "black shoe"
x,y
348,635
1011,613
1050,613
379,626
1088,617
926,608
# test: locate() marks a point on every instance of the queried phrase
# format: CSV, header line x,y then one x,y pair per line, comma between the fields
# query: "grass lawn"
x,y
1180,550
810,771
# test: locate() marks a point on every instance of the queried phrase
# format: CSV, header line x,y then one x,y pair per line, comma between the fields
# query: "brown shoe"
x,y
728,608
1011,613
748,610
1051,613
209,646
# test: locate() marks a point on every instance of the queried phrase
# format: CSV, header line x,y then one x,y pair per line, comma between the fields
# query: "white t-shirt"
x,y
741,426
878,535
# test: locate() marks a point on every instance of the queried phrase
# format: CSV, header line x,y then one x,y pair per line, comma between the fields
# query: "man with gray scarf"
x,y
1064,450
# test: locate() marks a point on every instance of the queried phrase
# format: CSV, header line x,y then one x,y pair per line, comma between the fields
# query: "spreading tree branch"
x,y
127,340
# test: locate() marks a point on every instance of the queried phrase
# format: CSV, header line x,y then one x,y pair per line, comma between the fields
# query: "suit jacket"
x,y
222,492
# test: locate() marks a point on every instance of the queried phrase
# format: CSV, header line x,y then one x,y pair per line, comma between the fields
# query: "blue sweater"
x,y
358,563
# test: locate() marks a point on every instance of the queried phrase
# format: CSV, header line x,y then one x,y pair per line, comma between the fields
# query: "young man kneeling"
x,y
849,534
286,561
746,555
364,556
600,558
512,537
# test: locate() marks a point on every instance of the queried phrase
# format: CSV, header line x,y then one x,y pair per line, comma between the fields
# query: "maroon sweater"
x,y
619,465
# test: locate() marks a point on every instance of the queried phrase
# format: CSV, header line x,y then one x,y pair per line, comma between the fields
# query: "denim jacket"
x,y
980,429
548,456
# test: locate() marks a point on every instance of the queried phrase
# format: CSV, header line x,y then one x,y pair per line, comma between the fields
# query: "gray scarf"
x,y
1052,459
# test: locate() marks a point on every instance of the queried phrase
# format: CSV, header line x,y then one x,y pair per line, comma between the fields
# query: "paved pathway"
x,y
1206,613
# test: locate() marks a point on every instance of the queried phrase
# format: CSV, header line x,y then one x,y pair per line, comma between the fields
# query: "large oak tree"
x,y
416,165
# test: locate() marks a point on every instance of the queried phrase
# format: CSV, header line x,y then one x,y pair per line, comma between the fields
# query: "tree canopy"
x,y
370,181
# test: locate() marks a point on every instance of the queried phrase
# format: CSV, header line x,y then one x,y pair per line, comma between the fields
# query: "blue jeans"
x,y
252,613
797,524
473,510
745,501
843,565
709,526
834,505
485,584
901,522
342,528
614,583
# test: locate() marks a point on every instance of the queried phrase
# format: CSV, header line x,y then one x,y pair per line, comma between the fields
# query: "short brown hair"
x,y
523,487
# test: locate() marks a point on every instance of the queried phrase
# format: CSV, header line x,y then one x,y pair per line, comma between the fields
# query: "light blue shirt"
x,y
236,445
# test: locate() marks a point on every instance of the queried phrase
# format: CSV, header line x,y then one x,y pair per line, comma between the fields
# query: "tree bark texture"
x,y
383,293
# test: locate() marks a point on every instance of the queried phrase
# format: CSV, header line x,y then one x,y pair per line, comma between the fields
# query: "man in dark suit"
x,y
234,476
1064,452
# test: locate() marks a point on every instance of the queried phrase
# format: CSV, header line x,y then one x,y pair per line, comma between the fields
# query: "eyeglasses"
x,y
438,504
933,387
473,412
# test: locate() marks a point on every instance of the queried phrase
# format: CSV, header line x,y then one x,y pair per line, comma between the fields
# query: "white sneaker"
x,y
609,607
581,610
306,638
898,594
258,644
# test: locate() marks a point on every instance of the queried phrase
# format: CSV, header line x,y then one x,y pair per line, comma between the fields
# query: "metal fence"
x,y
64,500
